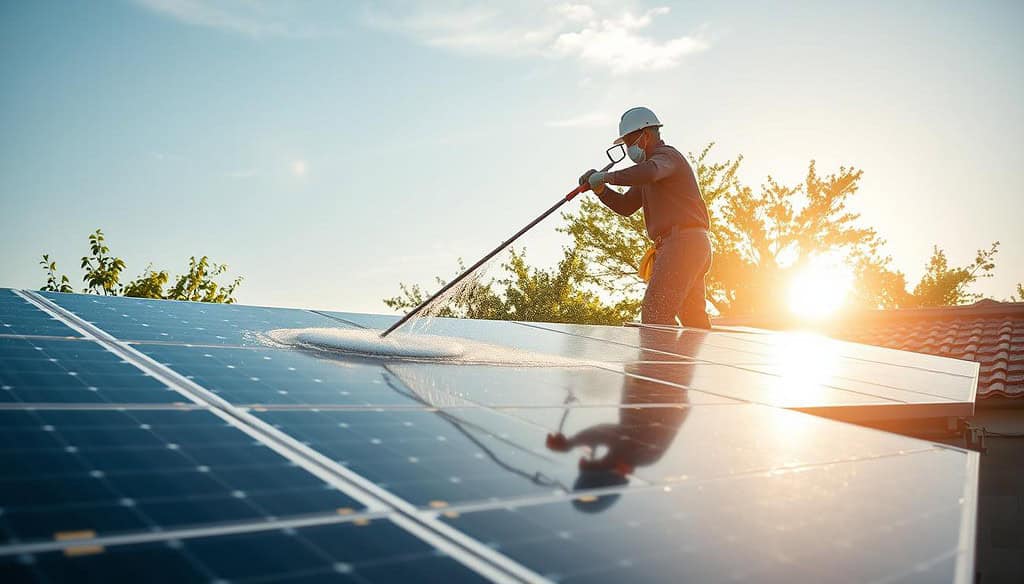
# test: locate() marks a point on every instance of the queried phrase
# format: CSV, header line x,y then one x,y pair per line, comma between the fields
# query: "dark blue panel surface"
x,y
19,317
434,457
887,519
68,371
473,454
701,442
281,377
298,377
138,319
356,552
113,471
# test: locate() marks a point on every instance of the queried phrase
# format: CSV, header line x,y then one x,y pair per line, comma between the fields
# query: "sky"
x,y
329,150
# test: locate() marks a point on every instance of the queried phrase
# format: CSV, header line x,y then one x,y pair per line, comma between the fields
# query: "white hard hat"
x,y
635,119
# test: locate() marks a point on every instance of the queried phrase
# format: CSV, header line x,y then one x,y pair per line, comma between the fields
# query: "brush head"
x,y
368,342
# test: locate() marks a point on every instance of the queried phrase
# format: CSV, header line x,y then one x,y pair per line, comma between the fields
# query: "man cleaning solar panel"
x,y
663,184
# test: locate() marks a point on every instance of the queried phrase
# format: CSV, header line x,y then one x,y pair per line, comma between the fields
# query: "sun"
x,y
820,288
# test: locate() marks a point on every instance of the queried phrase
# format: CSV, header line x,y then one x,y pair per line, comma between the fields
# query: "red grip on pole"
x,y
580,189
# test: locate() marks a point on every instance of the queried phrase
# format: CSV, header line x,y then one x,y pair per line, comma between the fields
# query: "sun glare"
x,y
819,289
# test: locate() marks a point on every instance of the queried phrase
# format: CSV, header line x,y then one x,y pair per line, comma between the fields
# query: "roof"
x,y
988,332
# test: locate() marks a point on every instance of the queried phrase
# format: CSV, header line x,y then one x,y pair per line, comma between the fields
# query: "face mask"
x,y
635,152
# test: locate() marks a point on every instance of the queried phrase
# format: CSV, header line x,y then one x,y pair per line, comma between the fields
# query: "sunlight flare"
x,y
820,289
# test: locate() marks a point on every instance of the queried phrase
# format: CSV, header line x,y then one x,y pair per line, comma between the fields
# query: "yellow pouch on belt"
x,y
647,264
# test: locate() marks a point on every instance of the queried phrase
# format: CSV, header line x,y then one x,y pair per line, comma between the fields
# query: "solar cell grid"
x,y
359,551
280,377
857,522
111,471
137,319
295,377
19,317
34,370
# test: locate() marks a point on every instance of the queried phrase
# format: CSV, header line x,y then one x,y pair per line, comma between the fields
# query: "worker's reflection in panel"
x,y
649,420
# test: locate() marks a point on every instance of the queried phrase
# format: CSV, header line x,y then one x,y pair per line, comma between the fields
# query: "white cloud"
x,y
589,120
601,34
618,44
255,18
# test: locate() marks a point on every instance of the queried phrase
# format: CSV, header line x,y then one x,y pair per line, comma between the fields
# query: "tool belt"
x,y
646,269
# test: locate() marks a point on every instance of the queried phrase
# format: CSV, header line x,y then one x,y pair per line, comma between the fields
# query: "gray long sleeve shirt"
x,y
665,186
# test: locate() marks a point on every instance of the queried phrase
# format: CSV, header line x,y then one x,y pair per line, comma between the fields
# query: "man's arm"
x,y
652,170
625,204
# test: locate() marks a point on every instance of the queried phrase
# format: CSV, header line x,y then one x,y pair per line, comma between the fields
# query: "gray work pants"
x,y
676,287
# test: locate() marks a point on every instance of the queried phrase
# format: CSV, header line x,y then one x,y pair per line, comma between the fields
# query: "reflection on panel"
x,y
359,551
137,319
539,386
435,458
110,471
65,371
893,519
19,317
460,455
683,444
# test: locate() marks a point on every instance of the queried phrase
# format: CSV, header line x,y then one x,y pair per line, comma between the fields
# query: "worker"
x,y
663,184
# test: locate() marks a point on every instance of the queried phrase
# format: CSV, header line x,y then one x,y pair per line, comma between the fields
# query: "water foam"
x,y
409,346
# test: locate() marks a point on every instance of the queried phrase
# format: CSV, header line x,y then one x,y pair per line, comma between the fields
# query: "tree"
x,y
53,283
762,239
103,276
102,271
944,286
524,293
1020,293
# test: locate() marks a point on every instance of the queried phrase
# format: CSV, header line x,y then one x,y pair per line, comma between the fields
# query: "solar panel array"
x,y
167,441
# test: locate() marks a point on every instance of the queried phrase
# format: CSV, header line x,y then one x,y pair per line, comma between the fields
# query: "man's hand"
x,y
594,179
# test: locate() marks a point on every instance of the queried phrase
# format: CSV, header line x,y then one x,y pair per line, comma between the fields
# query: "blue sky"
x,y
328,150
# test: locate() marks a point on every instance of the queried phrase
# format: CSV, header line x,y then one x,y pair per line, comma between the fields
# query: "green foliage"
x,y
53,283
557,295
198,283
470,299
102,271
525,293
103,276
942,285
149,285
1020,293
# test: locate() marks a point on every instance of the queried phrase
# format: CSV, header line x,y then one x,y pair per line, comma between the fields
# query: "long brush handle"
x,y
568,197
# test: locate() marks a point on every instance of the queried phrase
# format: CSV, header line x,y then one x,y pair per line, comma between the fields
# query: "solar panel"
x,y
113,471
37,370
746,528
136,319
19,317
187,447
357,551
